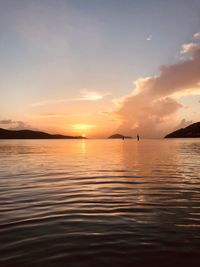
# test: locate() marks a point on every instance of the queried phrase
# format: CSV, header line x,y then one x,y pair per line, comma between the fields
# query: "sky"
x,y
98,67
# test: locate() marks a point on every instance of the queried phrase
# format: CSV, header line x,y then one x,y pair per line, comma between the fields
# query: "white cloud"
x,y
149,38
85,95
189,48
92,95
196,36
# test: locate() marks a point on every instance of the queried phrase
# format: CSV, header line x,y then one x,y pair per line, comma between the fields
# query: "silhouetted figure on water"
x,y
122,137
138,137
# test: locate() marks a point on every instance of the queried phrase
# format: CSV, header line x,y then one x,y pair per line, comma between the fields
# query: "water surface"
x,y
100,203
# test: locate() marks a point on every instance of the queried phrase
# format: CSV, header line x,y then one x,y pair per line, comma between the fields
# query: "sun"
x,y
83,135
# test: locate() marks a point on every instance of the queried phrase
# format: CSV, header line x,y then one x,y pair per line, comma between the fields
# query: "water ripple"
x,y
99,202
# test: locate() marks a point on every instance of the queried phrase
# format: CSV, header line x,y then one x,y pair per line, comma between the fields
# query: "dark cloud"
x,y
6,121
16,125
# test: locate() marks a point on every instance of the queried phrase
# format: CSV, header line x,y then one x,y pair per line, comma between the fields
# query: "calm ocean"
x,y
100,203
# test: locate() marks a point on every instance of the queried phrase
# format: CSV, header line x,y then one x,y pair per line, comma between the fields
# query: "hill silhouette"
x,y
191,131
118,136
29,134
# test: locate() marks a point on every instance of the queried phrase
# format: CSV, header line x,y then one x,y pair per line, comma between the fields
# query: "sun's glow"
x,y
83,135
82,127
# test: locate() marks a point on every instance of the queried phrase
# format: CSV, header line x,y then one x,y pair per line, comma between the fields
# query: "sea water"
x,y
100,202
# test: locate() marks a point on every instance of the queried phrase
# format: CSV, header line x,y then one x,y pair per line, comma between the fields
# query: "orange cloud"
x,y
151,109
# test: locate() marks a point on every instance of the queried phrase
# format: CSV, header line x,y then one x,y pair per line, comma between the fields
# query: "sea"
x,y
82,203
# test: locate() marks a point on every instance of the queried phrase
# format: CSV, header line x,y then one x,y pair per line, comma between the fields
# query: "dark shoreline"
x,y
30,134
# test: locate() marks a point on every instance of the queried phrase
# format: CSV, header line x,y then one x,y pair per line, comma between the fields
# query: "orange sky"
x,y
101,67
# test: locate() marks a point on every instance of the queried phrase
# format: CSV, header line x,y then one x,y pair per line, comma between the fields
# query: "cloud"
x,y
149,38
152,107
16,125
189,48
6,122
91,95
85,95
196,36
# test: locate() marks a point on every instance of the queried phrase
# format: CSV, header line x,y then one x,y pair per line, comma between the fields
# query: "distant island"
x,y
191,131
29,134
118,136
